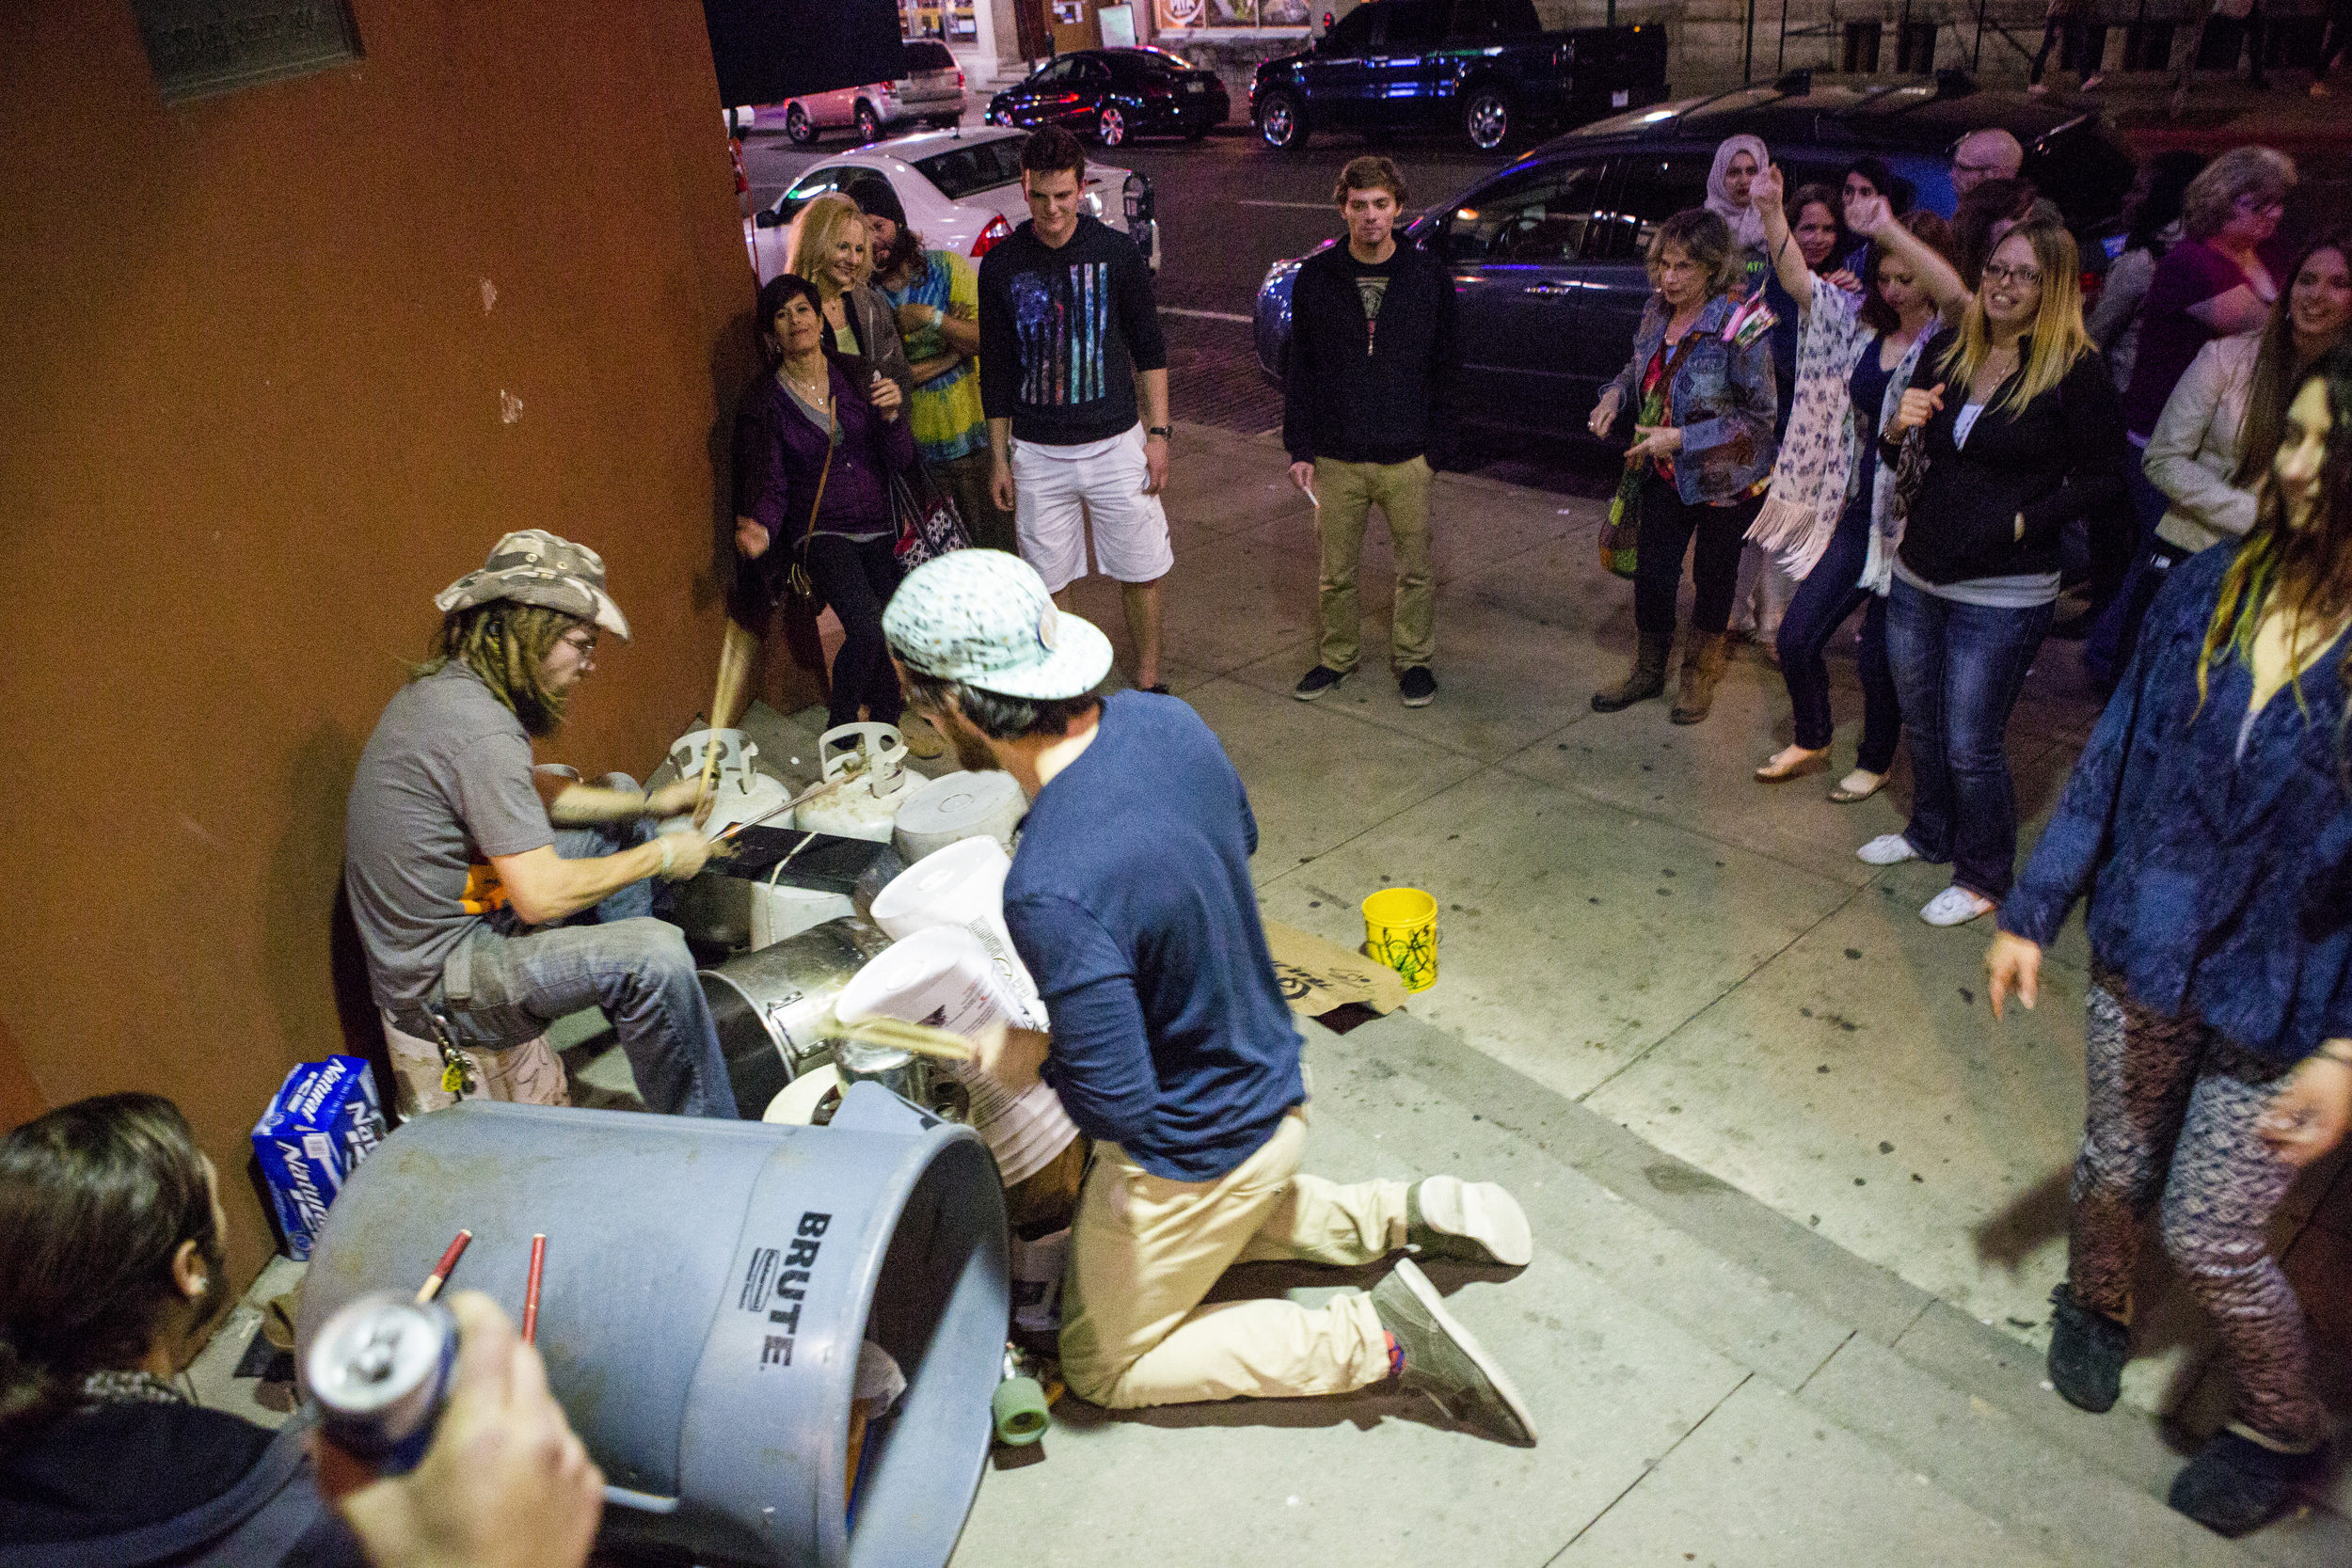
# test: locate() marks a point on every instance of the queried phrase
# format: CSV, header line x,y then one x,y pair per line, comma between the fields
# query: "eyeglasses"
x,y
1959,168
2260,204
2027,278
581,642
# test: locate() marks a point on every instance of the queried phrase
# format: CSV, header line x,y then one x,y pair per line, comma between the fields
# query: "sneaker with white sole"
x,y
1442,1361
1886,849
1956,905
1470,1222
1417,687
1317,681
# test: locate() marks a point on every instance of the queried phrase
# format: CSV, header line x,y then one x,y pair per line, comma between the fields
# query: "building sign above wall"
x,y
201,47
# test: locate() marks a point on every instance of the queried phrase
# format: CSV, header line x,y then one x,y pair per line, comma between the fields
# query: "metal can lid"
x,y
376,1351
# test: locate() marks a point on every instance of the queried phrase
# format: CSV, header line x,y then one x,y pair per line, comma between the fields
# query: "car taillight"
x,y
959,78
998,232
2093,283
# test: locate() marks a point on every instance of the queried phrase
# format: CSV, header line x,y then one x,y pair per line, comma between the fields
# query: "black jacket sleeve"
x,y
2094,484
1000,344
1299,378
1138,307
1445,428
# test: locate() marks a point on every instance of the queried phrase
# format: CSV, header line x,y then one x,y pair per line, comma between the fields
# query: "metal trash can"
x,y
707,1287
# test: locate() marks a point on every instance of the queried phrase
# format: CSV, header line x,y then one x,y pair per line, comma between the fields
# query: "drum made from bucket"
x,y
957,806
772,1007
707,1288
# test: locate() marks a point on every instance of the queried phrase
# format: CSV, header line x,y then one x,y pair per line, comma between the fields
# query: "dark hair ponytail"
x,y
95,1200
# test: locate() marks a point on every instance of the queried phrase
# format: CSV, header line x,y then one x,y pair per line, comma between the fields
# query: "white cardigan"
x,y
2196,445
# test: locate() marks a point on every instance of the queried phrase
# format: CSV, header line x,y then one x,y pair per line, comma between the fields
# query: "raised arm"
x,y
1938,279
1767,195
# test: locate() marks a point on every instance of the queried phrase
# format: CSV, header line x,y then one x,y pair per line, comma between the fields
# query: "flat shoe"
x,y
1776,771
1847,792
1956,905
1886,849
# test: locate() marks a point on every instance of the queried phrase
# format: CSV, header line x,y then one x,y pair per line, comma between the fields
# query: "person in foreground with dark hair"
x,y
1372,368
1130,901
481,922
1070,350
111,1223
2209,821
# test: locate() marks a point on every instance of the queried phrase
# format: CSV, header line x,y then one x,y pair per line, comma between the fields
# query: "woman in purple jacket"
x,y
813,457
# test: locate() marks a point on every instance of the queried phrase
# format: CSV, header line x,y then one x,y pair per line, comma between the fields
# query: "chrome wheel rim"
x,y
1280,127
1113,128
1490,122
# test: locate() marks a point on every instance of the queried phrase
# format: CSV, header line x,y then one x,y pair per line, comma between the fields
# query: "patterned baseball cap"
x,y
533,567
983,618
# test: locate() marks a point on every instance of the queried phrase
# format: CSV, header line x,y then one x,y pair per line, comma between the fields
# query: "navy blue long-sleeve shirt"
x,y
2219,878
1130,901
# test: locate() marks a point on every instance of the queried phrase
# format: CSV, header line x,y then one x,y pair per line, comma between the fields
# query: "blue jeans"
x,y
1823,600
1958,667
621,958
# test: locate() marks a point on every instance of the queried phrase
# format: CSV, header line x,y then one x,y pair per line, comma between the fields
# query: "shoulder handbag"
x,y
1622,532
929,524
796,579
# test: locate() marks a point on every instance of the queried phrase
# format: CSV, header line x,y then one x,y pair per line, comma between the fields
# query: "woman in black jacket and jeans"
x,y
2023,435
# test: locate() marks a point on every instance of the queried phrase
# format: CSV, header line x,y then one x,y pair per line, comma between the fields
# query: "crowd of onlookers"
x,y
1950,441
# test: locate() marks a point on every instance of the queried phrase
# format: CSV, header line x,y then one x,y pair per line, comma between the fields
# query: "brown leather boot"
x,y
1647,679
1703,660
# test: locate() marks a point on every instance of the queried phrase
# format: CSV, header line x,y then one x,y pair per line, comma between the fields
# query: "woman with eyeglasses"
x,y
2209,824
2020,436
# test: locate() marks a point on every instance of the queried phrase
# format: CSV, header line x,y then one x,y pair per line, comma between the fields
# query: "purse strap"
x,y
799,576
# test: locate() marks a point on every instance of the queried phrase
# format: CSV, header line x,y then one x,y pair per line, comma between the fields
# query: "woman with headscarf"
x,y
1738,161
1760,594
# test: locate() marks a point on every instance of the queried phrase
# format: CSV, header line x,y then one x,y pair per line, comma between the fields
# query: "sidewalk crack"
x,y
1648,1470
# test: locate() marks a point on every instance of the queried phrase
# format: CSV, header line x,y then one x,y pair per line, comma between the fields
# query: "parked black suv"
x,y
1547,254
1486,66
1111,94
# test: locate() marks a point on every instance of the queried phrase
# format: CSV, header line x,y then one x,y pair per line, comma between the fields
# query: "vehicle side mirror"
x,y
767,217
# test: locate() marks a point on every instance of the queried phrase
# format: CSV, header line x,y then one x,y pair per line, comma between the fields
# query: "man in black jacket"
x,y
1369,393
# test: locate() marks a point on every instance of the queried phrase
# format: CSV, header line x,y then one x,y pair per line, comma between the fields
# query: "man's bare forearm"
x,y
582,805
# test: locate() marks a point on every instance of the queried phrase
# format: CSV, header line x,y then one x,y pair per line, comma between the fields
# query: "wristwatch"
x,y
1163,432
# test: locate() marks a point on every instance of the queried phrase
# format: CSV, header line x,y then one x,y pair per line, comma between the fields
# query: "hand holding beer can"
x,y
380,1370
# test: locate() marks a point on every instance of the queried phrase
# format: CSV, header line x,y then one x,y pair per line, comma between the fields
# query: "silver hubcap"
x,y
1488,121
1114,128
1277,122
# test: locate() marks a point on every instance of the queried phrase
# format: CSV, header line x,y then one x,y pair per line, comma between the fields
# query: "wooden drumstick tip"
x,y
530,1288
434,1282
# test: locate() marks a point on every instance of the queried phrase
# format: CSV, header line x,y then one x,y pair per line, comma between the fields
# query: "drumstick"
x,y
800,800
919,1039
433,1282
530,1288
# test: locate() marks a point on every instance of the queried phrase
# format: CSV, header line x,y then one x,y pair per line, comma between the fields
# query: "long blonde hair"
x,y
2057,338
816,228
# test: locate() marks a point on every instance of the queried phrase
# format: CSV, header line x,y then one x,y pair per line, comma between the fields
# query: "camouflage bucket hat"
x,y
533,567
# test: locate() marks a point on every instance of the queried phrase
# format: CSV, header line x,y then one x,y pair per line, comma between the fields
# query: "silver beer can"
x,y
380,1369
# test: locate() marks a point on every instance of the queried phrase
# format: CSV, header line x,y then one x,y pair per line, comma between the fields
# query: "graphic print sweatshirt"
x,y
1063,333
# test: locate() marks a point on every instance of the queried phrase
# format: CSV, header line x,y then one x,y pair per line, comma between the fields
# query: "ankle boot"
x,y
1702,666
1647,679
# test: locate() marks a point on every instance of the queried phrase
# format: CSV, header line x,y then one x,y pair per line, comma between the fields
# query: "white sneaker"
x,y
1956,905
1886,849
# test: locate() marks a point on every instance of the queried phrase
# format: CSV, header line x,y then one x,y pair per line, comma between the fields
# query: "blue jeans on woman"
x,y
1959,669
1823,600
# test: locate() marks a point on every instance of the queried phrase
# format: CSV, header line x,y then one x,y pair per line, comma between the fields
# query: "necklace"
x,y
815,391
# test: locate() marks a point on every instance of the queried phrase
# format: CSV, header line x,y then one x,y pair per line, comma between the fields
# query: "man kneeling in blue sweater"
x,y
1130,901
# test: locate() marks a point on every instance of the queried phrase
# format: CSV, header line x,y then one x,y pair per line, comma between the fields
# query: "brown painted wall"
x,y
279,365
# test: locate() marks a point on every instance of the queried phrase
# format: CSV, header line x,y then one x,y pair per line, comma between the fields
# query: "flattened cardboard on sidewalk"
x,y
1318,976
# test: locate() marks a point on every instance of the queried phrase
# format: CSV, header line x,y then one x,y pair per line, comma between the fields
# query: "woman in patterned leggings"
x,y
2210,819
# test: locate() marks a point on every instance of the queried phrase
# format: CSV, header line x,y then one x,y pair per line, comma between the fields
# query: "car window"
x,y
1495,19
1093,72
1353,33
1413,24
927,54
1060,70
1543,215
982,166
817,181
1651,189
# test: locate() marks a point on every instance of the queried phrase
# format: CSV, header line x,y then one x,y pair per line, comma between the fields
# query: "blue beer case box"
x,y
320,1125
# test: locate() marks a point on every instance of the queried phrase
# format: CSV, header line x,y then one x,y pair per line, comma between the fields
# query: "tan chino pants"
x,y
1144,1250
1349,491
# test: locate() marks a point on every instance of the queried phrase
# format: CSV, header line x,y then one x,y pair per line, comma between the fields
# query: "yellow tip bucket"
x,y
1400,931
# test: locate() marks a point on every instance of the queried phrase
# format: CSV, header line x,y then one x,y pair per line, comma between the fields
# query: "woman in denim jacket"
x,y
1706,405
2209,822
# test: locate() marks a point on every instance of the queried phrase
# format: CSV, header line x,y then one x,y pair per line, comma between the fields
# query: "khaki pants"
x,y
1144,1250
1349,491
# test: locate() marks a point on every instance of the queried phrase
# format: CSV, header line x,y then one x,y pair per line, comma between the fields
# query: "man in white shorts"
x,y
1073,379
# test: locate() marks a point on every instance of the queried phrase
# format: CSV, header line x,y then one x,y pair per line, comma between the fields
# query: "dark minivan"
x,y
1547,254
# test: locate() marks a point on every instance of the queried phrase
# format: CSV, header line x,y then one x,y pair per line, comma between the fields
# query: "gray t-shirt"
x,y
444,783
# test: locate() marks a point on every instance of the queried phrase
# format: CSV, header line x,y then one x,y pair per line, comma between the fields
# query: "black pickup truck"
x,y
1486,66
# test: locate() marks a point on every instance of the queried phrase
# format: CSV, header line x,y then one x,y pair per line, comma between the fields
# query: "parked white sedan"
x,y
961,191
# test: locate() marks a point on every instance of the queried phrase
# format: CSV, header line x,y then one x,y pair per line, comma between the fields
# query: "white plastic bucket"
x,y
962,885
941,975
957,806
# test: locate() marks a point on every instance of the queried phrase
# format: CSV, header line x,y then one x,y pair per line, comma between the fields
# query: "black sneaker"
x,y
2088,1351
2236,1485
1317,681
1418,687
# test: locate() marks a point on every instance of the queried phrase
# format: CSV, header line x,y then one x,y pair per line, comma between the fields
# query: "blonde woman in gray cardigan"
x,y
1828,516
2213,441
